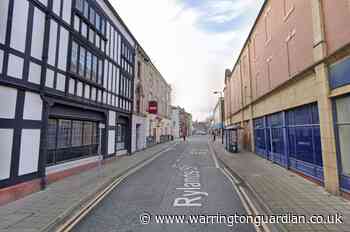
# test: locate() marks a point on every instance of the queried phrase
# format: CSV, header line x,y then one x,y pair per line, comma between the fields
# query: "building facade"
x,y
175,118
67,73
140,122
185,122
289,89
153,89
218,117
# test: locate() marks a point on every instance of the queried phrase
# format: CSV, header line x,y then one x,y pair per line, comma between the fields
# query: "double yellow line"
x,y
77,217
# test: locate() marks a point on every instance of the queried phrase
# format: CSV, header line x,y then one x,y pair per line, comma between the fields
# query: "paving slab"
x,y
41,211
283,191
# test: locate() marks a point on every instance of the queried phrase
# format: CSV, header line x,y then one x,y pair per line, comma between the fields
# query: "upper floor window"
x,y
92,23
139,69
74,59
87,65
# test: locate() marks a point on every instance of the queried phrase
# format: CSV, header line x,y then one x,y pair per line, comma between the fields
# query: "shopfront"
x,y
342,106
291,139
72,134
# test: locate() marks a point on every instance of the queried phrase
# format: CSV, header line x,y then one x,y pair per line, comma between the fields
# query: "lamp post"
x,y
222,115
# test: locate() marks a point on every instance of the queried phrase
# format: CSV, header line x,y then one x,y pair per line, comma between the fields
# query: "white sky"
x,y
185,43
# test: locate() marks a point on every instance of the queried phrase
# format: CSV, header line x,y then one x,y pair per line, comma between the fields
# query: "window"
x,y
91,36
100,65
103,27
98,22
88,133
76,23
139,69
51,134
64,133
74,58
77,133
94,68
92,16
81,61
121,137
88,65
343,117
75,139
79,5
86,9
84,29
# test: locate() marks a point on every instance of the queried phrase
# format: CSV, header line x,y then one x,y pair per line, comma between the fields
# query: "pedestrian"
x,y
214,136
184,137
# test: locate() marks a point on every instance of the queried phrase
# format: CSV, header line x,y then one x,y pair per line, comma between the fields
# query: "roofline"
x,y
139,47
114,11
249,35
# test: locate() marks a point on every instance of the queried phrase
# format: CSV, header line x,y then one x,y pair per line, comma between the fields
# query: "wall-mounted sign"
x,y
153,107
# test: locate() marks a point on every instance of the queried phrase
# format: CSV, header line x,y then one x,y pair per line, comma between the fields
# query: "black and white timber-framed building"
x,y
66,86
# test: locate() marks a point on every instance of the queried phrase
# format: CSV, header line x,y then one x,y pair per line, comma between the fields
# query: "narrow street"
x,y
183,181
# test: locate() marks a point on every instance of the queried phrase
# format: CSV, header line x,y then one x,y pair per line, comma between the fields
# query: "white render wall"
x,y
143,132
175,119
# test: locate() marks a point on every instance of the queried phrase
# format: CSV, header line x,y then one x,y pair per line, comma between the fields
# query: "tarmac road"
x,y
183,181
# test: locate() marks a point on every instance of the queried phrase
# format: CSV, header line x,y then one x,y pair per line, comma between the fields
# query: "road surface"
x,y
182,184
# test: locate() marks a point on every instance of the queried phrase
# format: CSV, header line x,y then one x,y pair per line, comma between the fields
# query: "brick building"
x,y
289,89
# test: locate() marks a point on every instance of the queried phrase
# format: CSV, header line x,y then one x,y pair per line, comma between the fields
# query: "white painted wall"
x,y
67,9
111,142
63,49
80,89
8,107
6,139
142,139
32,106
49,78
61,82
15,66
112,118
4,4
34,74
52,42
71,86
38,34
175,120
29,152
19,25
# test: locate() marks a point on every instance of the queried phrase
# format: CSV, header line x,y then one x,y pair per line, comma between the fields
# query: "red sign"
x,y
153,107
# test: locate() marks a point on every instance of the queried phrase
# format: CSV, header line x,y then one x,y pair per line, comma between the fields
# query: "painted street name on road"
x,y
191,190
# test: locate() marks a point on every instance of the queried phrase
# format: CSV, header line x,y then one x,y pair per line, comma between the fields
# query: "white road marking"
x,y
77,217
215,160
191,194
241,197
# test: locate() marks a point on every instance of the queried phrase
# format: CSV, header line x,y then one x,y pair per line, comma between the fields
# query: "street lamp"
x,y
222,115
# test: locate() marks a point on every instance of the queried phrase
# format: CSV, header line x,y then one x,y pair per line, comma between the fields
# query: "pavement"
x,y
183,181
44,210
280,191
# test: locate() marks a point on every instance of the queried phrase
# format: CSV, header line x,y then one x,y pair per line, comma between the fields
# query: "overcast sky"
x,y
191,42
